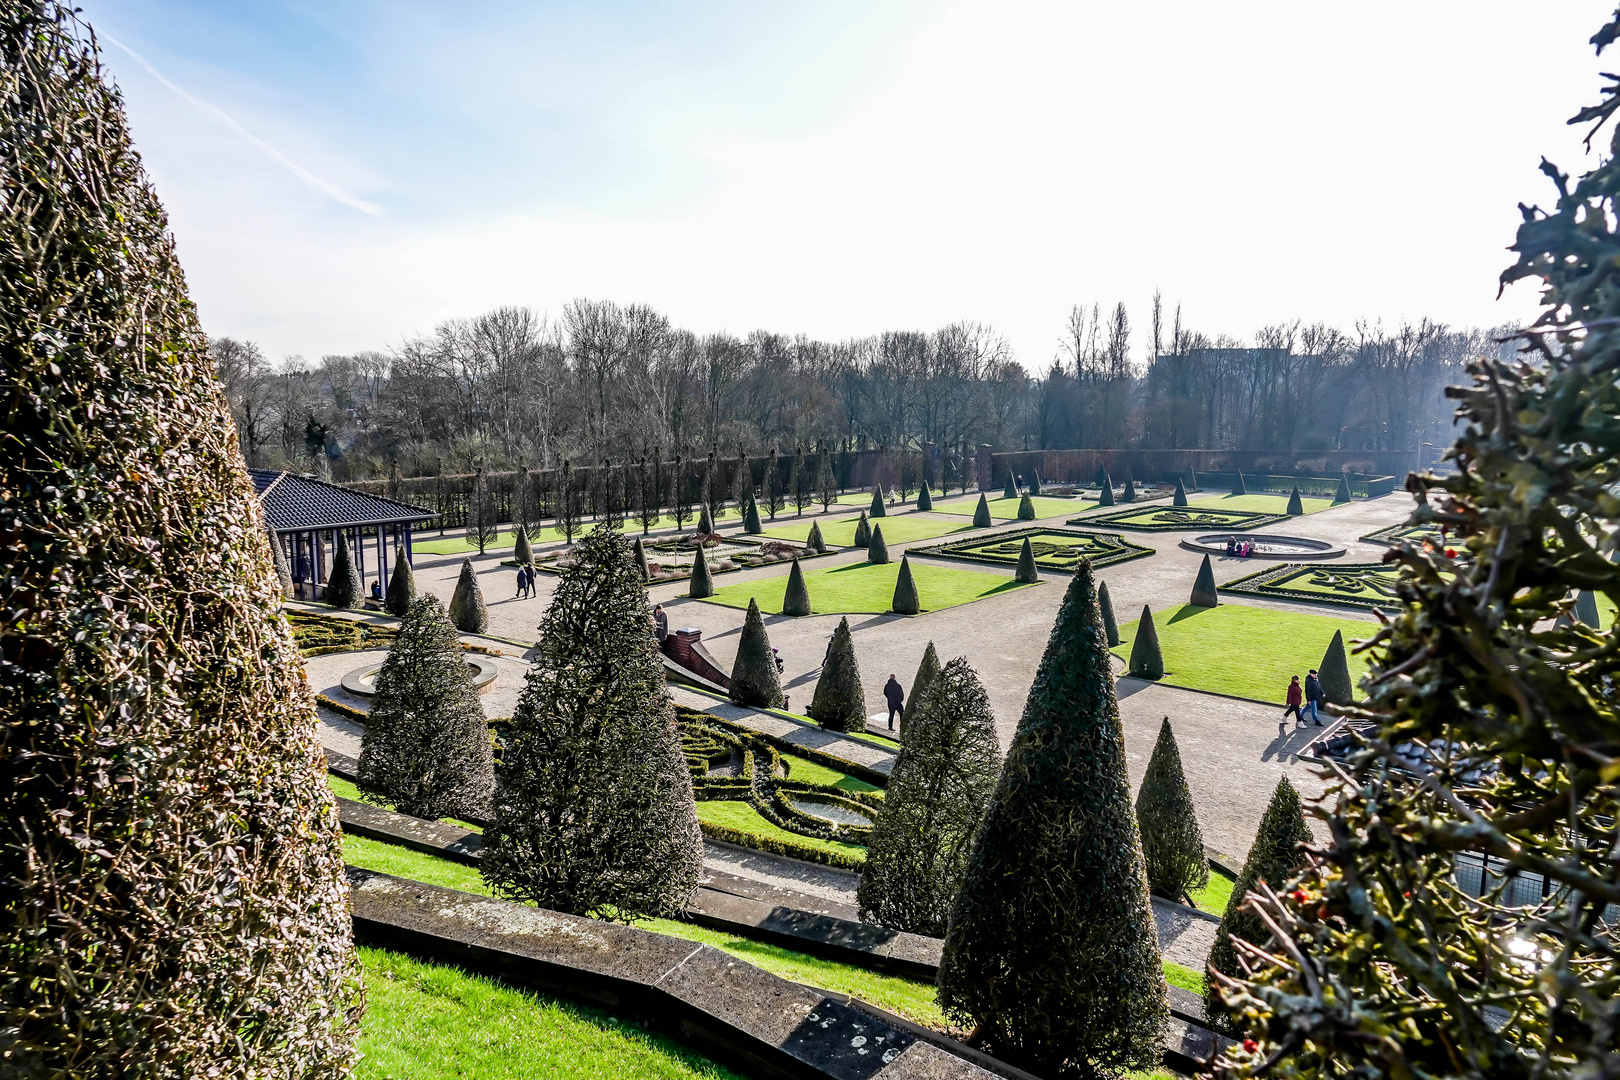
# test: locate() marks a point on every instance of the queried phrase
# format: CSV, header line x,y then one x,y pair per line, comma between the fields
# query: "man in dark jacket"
x,y
1313,694
896,698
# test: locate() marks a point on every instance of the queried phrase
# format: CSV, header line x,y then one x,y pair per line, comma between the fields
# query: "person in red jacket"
x,y
1296,698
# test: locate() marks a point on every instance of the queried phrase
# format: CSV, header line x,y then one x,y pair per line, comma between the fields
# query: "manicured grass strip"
x,y
1215,896
898,528
803,769
1246,651
741,816
1005,509
868,588
1184,977
1260,503
344,789
429,1021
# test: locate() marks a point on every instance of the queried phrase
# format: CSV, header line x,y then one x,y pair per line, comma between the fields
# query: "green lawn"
x,y
1005,509
1260,503
1245,651
1215,896
741,816
344,789
840,532
868,588
427,1021
811,773
1184,977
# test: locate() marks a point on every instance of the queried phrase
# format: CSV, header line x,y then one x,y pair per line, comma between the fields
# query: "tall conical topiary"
x,y
796,600
701,584
877,508
343,588
170,857
705,524
925,500
1274,858
906,601
1586,609
1105,605
522,552
641,560
1203,590
981,513
1180,497
467,608
877,551
1011,490
839,702
593,812
401,586
863,531
1147,659
1026,574
1343,494
751,523
1026,509
1296,505
815,541
1192,479
1172,842
1129,494
753,673
426,748
927,672
1105,494
1102,477
1051,950
283,573
1334,674
937,795
1035,483
1238,487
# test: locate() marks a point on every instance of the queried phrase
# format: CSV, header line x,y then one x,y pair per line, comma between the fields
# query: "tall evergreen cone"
x,y
1238,487
877,551
1343,494
1105,604
1035,484
401,586
1203,590
426,748
701,584
1011,490
751,523
1586,609
1274,858
863,531
522,552
1129,494
593,812
1147,659
796,600
927,672
343,588
925,500
1172,843
877,508
937,795
1026,509
1192,479
1105,494
1180,497
705,522
641,561
906,601
1334,674
815,542
279,555
1051,950
1296,506
1027,573
753,673
171,864
467,609
981,513
840,702
1102,478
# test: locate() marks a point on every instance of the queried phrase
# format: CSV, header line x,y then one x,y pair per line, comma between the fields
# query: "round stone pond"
x,y
1266,545
362,681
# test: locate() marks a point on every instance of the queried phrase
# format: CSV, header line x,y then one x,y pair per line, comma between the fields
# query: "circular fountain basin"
x,y
362,681
1266,545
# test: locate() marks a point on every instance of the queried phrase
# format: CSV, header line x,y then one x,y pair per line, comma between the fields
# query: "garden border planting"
x,y
1389,535
1261,582
1229,520
953,549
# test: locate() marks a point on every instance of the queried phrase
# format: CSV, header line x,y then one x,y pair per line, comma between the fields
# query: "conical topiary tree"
x,y
1586,609
937,794
927,672
1026,509
343,588
171,860
1274,857
641,561
1105,605
467,608
839,702
1180,497
705,524
1203,590
863,531
283,574
1105,494
426,748
1129,494
753,673
796,600
1102,478
1334,674
1011,490
1051,950
815,541
877,551
1026,573
701,585
981,513
1343,494
925,500
593,812
1147,659
401,586
1192,479
523,554
1238,487
1172,843
877,509
751,523
1035,483
906,601
1296,505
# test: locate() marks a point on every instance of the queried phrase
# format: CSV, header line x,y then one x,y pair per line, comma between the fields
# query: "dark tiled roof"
x,y
293,503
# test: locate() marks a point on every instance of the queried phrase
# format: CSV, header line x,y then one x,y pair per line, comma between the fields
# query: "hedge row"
x,y
773,846
1322,487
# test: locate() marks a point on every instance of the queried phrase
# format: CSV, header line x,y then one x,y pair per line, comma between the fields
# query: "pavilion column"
x,y
382,559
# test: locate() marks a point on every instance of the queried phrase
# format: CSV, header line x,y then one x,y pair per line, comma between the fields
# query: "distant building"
x,y
306,514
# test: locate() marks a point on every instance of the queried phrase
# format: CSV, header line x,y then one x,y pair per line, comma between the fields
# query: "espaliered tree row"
x,y
170,859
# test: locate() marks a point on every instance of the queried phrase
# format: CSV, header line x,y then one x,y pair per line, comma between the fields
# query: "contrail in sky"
x,y
297,170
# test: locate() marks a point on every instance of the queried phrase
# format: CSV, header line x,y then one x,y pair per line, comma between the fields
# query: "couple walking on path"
x,y
1310,696
525,582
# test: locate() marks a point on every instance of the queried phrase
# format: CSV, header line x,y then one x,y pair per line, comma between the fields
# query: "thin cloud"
x,y
328,189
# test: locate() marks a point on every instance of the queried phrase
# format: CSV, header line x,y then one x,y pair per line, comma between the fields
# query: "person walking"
x,y
522,582
896,698
1313,695
1295,695
660,623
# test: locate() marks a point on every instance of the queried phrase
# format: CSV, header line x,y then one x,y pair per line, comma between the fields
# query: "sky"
x,y
341,175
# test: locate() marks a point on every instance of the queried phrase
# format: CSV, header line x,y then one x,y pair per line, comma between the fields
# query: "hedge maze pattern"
x,y
671,560
1394,534
319,635
1181,518
1363,585
1054,549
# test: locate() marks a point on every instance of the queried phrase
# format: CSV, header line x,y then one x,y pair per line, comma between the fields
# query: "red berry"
x,y
1250,1046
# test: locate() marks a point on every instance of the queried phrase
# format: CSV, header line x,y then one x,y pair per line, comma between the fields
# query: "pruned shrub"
x,y
1172,842
1011,490
753,673
1238,487
1105,605
925,499
927,672
700,585
840,701
815,542
1180,497
1147,659
523,553
796,600
1026,509
401,586
981,513
467,608
1203,590
1129,494
1026,573
751,523
1105,494
877,508
876,550
343,588
1343,494
1296,505
863,531
641,560
705,525
1334,674
906,601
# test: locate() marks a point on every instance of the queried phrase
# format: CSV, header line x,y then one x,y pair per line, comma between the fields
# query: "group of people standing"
x,y
1302,700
